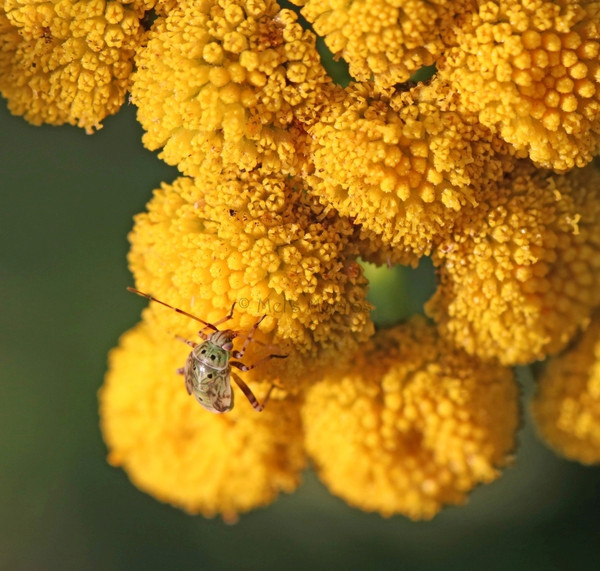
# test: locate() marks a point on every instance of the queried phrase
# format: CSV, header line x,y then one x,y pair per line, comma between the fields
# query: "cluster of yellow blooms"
x,y
411,424
404,166
289,180
265,243
186,456
68,61
239,83
530,69
567,406
526,266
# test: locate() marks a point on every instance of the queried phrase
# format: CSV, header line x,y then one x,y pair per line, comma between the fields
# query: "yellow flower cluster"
x,y
567,404
531,71
204,463
228,83
404,167
412,425
414,420
262,242
288,180
519,278
68,61
383,40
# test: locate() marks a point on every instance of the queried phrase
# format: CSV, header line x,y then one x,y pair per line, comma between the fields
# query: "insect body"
x,y
207,370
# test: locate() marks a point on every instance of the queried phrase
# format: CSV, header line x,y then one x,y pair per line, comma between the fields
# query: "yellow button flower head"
x,y
227,82
171,448
566,407
404,168
516,283
383,40
72,61
262,242
414,424
532,72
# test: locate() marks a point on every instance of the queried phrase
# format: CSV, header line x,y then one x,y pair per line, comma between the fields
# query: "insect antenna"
x,y
152,298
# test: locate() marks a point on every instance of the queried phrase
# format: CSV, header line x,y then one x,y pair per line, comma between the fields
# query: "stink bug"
x,y
207,370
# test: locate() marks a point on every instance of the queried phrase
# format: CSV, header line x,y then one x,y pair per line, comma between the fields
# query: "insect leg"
x,y
213,326
184,340
244,367
250,395
257,341
239,354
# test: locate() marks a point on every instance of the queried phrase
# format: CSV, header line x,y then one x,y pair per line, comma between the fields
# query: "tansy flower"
x,y
383,40
228,83
404,168
172,449
68,61
262,242
566,407
413,424
517,281
531,70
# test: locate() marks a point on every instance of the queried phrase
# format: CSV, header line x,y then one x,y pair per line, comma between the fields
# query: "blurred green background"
x,y
67,204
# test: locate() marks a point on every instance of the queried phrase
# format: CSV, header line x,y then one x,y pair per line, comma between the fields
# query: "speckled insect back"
x,y
206,373
207,370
